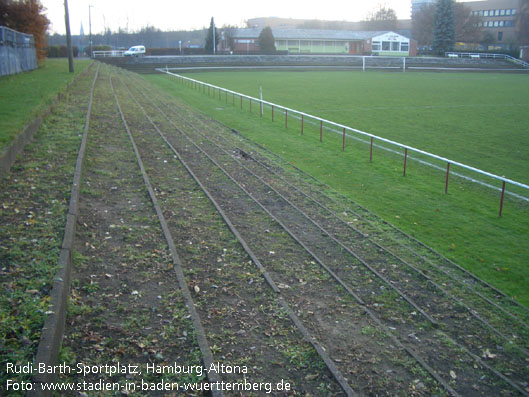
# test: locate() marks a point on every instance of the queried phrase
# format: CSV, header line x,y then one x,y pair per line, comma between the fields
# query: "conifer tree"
x,y
444,30
266,40
209,38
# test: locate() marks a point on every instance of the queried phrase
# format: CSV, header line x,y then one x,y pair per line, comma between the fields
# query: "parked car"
x,y
135,51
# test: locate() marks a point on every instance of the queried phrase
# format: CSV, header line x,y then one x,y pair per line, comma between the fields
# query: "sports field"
x,y
477,119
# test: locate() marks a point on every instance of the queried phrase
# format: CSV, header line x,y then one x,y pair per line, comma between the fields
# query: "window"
x,y
386,45
496,24
395,46
376,46
508,12
502,23
305,43
513,11
502,12
404,47
500,36
486,13
497,13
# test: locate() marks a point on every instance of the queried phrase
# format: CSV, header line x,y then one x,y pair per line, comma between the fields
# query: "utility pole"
x,y
214,44
90,28
68,37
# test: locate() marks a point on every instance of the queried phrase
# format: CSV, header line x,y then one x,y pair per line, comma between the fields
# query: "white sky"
x,y
196,14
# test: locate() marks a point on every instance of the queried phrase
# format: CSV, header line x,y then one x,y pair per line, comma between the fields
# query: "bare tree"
x,y
382,18
466,25
522,23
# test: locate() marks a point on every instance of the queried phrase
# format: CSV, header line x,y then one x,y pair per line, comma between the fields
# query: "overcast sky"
x,y
196,14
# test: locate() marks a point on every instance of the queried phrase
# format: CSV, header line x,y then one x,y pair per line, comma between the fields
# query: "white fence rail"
x,y
372,138
106,54
478,55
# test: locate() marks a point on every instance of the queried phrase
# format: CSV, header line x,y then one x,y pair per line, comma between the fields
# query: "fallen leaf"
x,y
488,354
453,375
197,289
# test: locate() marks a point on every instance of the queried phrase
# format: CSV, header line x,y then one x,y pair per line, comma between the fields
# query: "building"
x,y
416,5
498,19
315,41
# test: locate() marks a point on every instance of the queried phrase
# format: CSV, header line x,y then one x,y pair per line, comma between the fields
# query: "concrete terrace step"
x,y
149,64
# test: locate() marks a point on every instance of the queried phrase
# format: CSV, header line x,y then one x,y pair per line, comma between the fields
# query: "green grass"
x,y
24,96
477,119
464,224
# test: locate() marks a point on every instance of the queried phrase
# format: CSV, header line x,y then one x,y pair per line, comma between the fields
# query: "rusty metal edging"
x,y
207,356
321,352
54,324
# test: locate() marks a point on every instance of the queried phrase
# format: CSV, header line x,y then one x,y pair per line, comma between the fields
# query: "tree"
x,y
27,17
444,30
522,23
382,18
209,38
466,25
467,29
229,33
422,25
267,40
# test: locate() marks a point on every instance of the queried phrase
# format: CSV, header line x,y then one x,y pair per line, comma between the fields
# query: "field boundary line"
x,y
345,128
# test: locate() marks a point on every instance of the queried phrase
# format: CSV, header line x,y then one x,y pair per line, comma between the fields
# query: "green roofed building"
x,y
315,41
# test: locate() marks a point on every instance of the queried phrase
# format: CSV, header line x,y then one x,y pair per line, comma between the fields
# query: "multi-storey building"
x,y
498,17
416,5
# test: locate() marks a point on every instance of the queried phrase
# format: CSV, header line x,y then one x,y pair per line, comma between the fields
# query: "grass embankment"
x,y
24,96
34,198
464,224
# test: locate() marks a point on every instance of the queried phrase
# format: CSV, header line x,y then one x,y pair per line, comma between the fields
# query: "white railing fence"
x,y
106,54
479,55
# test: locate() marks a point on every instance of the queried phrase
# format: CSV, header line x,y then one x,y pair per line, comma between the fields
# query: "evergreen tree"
x,y
209,38
267,40
444,30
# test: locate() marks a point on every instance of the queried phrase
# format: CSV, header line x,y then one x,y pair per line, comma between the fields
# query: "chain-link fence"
x,y
17,52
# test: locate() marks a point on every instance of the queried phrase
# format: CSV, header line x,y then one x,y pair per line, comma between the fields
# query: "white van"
x,y
135,51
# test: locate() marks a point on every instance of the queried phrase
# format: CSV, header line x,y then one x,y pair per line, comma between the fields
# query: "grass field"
x,y
465,117
477,119
24,96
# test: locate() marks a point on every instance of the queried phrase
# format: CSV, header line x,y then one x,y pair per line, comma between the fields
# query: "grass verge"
x,y
34,198
24,96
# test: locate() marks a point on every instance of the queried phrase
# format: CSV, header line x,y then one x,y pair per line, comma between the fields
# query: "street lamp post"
x,y
90,28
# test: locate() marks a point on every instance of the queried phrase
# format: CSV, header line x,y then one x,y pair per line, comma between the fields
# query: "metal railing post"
x,y
405,158
447,173
502,196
